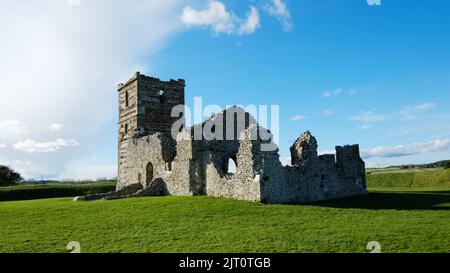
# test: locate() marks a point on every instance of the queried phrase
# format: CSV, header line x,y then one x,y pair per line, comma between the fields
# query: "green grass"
x,y
407,211
52,190
402,220
408,178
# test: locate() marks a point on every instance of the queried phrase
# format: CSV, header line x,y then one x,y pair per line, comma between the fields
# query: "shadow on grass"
x,y
394,201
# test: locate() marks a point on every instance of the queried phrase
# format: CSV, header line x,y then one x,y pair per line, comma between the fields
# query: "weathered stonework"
x,y
152,162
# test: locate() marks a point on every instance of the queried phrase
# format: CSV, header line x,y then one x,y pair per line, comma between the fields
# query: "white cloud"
x,y
297,118
65,59
418,108
63,71
252,22
408,113
328,112
20,162
216,16
436,145
220,20
56,127
31,146
336,92
399,133
90,172
327,152
13,126
278,8
3,145
369,116
409,118
286,161
364,127
374,165
73,2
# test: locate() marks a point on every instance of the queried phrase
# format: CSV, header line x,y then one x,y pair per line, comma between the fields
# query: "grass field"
x,y
408,178
400,220
407,211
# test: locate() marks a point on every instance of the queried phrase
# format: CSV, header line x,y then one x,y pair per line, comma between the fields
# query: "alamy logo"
x,y
229,124
374,2
74,247
374,247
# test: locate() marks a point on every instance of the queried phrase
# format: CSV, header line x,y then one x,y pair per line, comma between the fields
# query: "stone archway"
x,y
148,174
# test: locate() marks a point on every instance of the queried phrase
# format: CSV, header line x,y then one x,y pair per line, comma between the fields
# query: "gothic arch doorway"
x,y
148,174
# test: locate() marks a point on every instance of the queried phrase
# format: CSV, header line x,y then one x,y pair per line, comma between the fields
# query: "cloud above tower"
x,y
220,20
62,60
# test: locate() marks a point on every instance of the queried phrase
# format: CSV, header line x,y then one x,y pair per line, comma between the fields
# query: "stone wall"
x,y
155,157
244,184
313,178
197,161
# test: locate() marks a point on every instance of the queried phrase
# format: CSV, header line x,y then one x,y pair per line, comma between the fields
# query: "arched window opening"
x,y
149,174
232,166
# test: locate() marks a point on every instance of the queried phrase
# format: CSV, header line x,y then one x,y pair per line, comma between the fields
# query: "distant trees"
x,y
8,176
447,165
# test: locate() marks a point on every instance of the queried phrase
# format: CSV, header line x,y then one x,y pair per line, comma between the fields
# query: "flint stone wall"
x,y
151,162
201,168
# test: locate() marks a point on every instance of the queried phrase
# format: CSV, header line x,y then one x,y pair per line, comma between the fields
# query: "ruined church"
x,y
152,162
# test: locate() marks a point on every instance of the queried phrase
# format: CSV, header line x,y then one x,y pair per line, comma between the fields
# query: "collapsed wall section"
x,y
244,183
225,140
313,178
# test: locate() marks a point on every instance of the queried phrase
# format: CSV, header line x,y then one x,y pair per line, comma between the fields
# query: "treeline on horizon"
x,y
11,177
439,164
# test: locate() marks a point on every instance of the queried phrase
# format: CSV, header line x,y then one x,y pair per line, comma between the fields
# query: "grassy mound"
x,y
400,220
53,190
409,178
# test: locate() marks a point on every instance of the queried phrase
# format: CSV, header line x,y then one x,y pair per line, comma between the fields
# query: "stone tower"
x,y
145,108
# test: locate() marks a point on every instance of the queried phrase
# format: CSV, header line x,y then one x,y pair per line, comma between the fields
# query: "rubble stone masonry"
x,y
152,162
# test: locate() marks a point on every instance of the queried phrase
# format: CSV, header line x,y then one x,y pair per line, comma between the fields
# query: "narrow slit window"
x,y
162,96
169,166
127,99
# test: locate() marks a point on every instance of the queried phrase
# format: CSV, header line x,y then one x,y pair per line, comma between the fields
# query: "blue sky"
x,y
384,59
347,71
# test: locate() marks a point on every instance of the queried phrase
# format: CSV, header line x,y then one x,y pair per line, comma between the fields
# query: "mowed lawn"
x,y
408,178
400,220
